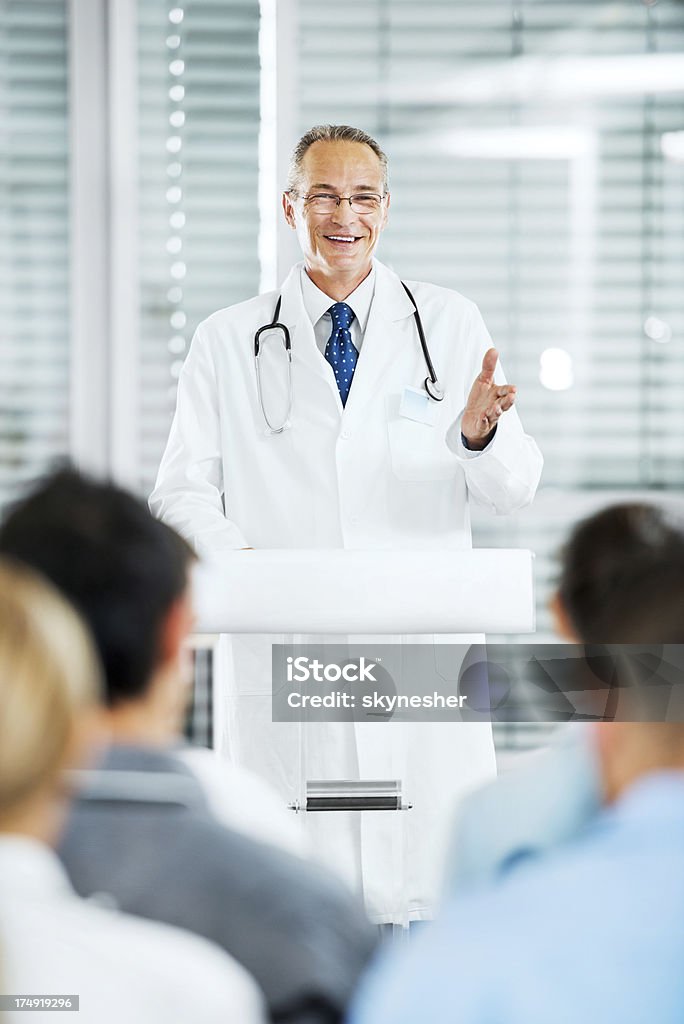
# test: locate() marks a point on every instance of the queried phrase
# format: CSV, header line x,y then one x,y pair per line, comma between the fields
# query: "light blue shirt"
x,y
593,934
546,800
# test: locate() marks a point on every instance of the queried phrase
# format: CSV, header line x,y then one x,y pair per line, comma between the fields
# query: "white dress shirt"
x,y
122,968
317,304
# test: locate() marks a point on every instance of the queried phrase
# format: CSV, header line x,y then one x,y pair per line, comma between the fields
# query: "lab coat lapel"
x,y
305,353
383,340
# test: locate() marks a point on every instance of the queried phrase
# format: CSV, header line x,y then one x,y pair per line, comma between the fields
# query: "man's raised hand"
x,y
486,403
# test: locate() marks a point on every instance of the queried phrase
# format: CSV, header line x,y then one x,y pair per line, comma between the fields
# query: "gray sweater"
x,y
301,935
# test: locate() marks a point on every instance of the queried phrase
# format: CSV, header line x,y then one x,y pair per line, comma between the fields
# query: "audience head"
x,y
49,680
622,577
622,582
126,573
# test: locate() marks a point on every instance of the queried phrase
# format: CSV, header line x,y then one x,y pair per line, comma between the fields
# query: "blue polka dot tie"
x,y
340,351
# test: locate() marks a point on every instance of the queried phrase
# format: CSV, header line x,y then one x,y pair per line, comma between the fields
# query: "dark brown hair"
x,y
622,576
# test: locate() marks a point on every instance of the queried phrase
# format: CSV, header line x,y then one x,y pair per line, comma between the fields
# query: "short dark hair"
x,y
622,576
120,567
332,133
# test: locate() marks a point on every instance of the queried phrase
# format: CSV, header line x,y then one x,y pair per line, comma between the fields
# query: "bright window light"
x,y
672,146
177,344
555,369
657,330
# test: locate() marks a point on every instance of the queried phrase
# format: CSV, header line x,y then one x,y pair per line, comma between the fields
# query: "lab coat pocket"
x,y
418,451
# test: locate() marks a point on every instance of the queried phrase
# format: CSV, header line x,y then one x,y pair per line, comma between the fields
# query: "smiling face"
x,y
338,247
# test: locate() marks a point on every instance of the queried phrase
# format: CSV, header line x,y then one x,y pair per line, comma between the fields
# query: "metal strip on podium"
x,y
352,795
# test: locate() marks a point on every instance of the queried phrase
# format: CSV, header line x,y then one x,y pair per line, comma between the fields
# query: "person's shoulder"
x,y
257,309
444,973
278,891
424,292
294,910
298,880
205,846
230,331
519,816
217,855
195,852
243,801
572,872
203,974
177,974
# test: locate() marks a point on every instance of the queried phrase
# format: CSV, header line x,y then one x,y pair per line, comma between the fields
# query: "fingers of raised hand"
x,y
497,399
500,405
488,366
505,400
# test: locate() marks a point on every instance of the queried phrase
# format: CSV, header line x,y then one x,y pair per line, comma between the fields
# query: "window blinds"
x,y
527,171
34,242
551,206
198,186
548,202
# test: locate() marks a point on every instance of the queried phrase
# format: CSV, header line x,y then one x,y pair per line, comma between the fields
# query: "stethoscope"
x,y
431,384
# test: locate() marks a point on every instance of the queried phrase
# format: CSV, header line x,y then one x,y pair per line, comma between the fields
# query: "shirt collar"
x,y
317,303
132,773
30,869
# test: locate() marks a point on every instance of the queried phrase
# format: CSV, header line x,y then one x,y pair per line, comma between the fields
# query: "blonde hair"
x,y
48,673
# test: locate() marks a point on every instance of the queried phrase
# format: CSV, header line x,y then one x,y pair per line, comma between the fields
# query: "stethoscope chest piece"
x,y
434,389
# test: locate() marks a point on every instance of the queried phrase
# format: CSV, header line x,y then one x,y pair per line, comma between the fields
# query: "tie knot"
x,y
342,315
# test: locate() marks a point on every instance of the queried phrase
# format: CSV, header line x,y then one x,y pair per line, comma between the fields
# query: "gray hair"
x,y
332,133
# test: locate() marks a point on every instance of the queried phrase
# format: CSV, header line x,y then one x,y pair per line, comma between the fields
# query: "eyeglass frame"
x,y
307,198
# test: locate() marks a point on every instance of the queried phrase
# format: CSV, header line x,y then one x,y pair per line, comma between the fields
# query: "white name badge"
x,y
417,405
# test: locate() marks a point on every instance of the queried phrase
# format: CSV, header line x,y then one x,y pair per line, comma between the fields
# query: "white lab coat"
x,y
358,477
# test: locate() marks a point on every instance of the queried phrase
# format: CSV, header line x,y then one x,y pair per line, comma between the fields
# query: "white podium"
x,y
487,590
307,596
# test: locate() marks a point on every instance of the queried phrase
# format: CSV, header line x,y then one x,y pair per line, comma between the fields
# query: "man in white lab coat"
x,y
365,460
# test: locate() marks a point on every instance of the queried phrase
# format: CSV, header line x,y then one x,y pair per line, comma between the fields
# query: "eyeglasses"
x,y
327,202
